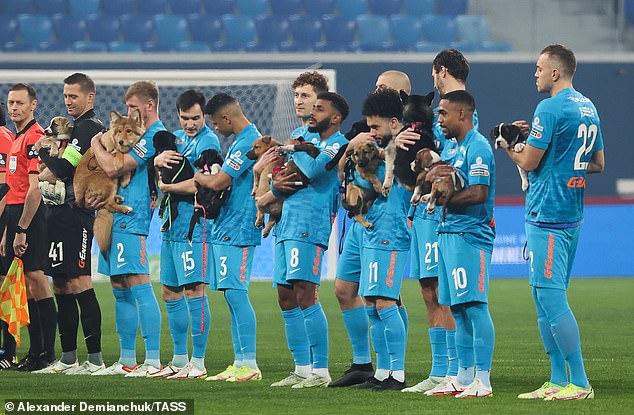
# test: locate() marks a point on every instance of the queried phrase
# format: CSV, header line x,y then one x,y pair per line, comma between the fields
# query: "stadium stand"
x,y
83,46
124,47
270,25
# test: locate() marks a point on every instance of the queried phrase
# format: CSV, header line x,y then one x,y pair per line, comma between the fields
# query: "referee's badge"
x,y
13,164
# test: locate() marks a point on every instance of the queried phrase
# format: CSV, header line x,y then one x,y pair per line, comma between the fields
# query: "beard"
x,y
320,127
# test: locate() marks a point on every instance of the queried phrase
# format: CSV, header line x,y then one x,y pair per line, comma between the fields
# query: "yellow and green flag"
x,y
14,308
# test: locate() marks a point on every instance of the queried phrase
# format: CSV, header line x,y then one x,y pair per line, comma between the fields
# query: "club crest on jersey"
x,y
13,164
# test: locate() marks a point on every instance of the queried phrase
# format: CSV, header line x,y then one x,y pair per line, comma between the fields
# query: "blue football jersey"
x,y
235,224
476,164
567,127
307,215
137,193
191,148
307,135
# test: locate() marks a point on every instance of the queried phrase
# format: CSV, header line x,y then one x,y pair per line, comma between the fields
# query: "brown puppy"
x,y
58,131
424,161
261,183
91,181
442,190
365,157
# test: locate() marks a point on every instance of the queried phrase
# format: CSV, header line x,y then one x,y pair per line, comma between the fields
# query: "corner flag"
x,y
13,302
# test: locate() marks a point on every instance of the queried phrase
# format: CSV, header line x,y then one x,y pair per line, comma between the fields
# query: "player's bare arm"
x,y
470,196
528,159
214,182
597,162
31,204
105,159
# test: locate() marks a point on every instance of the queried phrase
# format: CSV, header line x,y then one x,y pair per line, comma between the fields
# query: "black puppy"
x,y
511,136
418,115
207,202
164,141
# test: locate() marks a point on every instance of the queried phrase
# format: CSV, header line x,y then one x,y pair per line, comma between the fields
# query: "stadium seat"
x,y
8,29
253,7
418,7
118,7
319,8
204,28
286,7
14,47
451,7
220,7
429,47
472,28
439,29
102,28
156,47
466,47
170,29
124,47
15,8
193,47
496,47
385,7
373,34
352,8
272,31
184,7
68,29
338,32
49,7
629,10
239,31
305,30
89,47
151,7
80,9
293,47
53,47
135,28
407,31
34,29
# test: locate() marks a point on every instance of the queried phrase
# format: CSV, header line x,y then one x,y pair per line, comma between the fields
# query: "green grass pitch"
x,y
603,308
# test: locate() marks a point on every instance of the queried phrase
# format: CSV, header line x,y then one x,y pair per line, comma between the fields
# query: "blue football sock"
x,y
464,344
439,362
356,322
178,319
565,332
483,334
558,372
452,369
377,334
235,339
127,323
394,336
201,319
245,323
405,317
317,331
296,336
150,319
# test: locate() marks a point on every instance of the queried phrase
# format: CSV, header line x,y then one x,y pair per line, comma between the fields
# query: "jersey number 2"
x,y
586,132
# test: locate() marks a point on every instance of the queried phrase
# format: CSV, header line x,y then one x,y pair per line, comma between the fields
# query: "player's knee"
x,y
346,292
553,301
171,293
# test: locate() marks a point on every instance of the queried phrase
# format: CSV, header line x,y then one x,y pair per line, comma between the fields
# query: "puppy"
x,y
442,190
364,158
91,181
418,115
261,183
290,167
207,202
164,141
425,160
511,136
57,132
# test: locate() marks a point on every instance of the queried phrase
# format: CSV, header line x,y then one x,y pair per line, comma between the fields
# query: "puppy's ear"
x,y
429,98
136,117
114,117
266,139
404,96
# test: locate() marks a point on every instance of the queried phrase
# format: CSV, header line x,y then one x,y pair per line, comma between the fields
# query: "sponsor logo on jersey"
x,y
31,152
140,148
236,158
587,112
233,165
3,160
75,144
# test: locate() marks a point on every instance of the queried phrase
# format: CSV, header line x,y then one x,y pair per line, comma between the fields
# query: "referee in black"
x,y
70,234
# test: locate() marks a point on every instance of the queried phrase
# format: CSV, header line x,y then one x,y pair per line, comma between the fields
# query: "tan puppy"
x,y
91,181
58,131
365,159
424,161
442,190
261,183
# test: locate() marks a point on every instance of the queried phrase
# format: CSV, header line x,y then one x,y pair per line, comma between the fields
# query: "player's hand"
x,y
286,184
3,244
20,244
94,202
266,159
96,140
165,187
363,138
405,139
523,125
38,143
167,159
264,200
201,179
440,171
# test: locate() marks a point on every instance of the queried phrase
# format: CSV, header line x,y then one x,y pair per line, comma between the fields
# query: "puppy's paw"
x,y
415,200
425,198
128,210
519,147
431,209
524,185
118,199
386,190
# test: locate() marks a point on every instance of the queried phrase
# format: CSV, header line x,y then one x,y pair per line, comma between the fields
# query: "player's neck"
x,y
463,132
82,114
329,132
239,124
151,119
452,84
19,126
560,86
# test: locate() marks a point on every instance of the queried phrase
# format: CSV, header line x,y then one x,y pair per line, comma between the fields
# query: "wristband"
x,y
19,229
